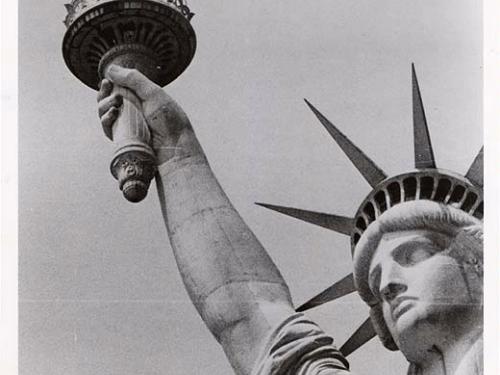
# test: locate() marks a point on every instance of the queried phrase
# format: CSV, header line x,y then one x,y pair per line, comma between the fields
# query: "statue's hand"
x,y
171,132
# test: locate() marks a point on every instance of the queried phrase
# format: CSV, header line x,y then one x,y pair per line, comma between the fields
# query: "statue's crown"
x,y
425,182
428,184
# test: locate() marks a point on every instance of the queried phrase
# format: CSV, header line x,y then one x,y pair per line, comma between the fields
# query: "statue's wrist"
x,y
186,147
177,163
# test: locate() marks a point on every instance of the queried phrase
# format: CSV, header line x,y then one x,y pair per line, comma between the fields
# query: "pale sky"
x,y
99,290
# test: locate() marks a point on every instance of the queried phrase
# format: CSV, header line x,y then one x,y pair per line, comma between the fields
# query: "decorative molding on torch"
x,y
134,170
76,7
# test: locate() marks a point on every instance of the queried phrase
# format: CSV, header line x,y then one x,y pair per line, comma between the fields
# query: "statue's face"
x,y
423,291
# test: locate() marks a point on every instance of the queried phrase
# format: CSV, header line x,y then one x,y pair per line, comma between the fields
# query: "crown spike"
x,y
370,171
475,173
340,224
363,334
339,289
424,155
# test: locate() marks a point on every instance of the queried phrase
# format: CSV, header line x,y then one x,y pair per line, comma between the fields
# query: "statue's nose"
x,y
392,290
392,282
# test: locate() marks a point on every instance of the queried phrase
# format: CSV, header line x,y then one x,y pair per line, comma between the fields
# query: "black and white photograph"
x,y
251,187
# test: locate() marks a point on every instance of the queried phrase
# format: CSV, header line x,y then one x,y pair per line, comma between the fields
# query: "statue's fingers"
x,y
114,100
107,121
133,80
105,89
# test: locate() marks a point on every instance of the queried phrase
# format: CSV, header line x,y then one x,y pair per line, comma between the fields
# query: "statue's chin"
x,y
421,328
407,327
415,332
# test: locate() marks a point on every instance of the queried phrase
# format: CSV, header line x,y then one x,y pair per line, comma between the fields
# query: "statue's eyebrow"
x,y
437,242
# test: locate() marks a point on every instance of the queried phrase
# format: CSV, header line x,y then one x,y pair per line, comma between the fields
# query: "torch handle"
x,y
130,124
133,163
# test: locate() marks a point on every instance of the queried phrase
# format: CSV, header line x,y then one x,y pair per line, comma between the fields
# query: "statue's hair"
x,y
413,215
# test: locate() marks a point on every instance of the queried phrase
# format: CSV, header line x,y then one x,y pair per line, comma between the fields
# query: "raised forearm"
x,y
230,278
233,283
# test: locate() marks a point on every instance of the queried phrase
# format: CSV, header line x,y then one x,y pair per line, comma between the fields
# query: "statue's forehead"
x,y
403,236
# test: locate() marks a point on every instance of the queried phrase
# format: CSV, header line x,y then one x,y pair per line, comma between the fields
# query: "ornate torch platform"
x,y
152,36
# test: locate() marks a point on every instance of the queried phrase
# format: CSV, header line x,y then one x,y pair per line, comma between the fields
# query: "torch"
x,y
152,36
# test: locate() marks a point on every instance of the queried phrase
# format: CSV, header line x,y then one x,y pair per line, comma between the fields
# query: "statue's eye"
x,y
417,254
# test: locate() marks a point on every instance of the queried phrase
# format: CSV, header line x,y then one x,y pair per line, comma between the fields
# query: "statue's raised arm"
x,y
230,278
416,242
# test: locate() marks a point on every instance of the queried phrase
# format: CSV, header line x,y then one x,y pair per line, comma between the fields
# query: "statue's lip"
x,y
400,305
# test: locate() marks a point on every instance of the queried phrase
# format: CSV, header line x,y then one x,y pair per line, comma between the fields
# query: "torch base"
x,y
134,167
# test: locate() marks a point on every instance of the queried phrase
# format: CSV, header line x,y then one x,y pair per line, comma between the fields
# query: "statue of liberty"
x,y
416,243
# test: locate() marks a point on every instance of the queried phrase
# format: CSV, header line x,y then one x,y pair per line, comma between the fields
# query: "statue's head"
x,y
416,242
417,252
419,268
